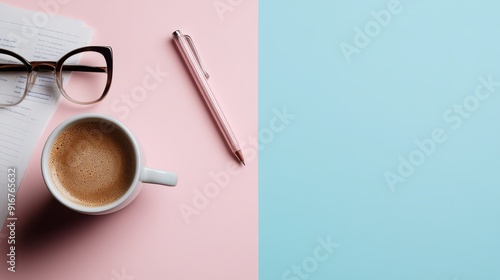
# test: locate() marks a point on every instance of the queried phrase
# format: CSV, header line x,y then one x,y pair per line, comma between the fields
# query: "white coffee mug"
x,y
142,173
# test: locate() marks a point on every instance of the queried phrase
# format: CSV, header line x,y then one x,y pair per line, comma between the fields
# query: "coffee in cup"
x,y
92,168
92,164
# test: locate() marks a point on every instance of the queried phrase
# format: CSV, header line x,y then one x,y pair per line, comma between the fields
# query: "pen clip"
x,y
193,47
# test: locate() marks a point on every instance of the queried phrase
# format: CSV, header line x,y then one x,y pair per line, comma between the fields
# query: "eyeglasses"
x,y
91,70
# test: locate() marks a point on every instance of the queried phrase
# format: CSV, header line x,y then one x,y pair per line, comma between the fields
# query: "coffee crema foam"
x,y
92,167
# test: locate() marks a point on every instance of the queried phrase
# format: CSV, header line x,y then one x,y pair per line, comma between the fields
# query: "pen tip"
x,y
239,155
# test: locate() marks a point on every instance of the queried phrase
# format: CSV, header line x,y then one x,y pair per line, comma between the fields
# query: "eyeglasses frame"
x,y
57,68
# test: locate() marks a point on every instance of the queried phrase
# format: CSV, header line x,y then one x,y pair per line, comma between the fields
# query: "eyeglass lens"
x,y
85,84
13,79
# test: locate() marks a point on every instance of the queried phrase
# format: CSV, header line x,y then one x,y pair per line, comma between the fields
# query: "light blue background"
x,y
324,174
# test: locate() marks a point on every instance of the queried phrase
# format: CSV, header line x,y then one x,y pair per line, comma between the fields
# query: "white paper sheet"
x,y
41,37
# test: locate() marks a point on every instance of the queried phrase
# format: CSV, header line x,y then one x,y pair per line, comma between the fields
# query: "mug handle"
x,y
154,176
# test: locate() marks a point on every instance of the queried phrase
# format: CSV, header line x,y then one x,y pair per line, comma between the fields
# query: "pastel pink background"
x,y
150,239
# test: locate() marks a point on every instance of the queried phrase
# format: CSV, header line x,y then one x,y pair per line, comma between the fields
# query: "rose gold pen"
x,y
191,58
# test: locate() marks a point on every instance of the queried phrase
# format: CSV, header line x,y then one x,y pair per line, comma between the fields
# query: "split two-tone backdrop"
x,y
371,131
